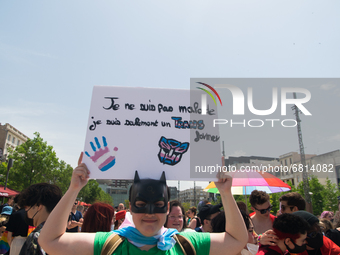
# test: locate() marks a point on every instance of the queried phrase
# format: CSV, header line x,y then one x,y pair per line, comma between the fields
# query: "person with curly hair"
x,y
260,204
194,220
291,231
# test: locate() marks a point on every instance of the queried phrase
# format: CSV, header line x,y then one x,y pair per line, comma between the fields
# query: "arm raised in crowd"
x,y
236,236
53,238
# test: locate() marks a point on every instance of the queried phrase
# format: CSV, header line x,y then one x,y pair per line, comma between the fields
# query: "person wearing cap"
x,y
149,206
17,229
260,204
7,210
317,243
206,214
120,217
10,202
5,214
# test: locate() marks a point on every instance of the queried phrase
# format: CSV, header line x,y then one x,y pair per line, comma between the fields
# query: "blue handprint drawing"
x,y
103,159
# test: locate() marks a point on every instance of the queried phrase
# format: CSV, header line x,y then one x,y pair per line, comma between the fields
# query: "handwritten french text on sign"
x,y
149,130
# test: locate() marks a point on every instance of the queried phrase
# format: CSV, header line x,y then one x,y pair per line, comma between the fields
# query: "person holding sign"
x,y
149,207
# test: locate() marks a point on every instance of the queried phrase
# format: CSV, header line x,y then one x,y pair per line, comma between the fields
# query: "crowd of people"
x,y
40,220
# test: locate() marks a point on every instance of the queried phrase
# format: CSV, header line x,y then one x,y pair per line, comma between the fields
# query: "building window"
x,y
285,162
290,160
18,143
9,137
13,140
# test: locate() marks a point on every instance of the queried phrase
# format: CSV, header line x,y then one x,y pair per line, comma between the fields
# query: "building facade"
x,y
173,193
117,189
10,137
322,166
193,196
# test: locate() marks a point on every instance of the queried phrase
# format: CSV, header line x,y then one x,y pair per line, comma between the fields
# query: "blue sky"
x,y
53,53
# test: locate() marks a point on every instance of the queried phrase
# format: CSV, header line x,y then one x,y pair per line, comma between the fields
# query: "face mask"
x,y
29,221
315,241
252,248
150,192
297,248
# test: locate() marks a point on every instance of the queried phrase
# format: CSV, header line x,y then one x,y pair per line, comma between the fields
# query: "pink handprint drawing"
x,y
103,158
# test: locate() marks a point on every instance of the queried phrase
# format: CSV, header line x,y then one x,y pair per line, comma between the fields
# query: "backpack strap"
x,y
114,240
111,244
185,244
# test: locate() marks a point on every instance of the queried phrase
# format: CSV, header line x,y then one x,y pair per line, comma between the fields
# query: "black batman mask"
x,y
151,195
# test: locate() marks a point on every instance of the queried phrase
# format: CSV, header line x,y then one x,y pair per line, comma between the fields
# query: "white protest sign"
x,y
149,130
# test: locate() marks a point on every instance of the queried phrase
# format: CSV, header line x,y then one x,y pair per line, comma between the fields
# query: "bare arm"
x,y
236,236
73,224
192,224
53,238
9,238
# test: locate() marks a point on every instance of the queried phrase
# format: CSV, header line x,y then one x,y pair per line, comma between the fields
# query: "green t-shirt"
x,y
201,242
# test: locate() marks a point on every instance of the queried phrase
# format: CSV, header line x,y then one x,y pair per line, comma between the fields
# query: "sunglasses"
x,y
75,203
283,207
263,211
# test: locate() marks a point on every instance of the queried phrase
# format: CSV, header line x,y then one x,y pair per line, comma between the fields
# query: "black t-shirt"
x,y
17,224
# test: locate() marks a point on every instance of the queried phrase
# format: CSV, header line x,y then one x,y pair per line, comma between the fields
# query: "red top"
x,y
270,250
272,217
328,248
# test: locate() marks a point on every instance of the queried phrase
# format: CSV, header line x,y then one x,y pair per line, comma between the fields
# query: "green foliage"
x,y
33,162
318,190
275,201
105,198
92,193
186,206
330,196
127,203
217,201
242,198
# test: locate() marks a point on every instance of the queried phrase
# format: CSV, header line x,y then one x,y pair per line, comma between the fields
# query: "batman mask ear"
x,y
136,179
163,178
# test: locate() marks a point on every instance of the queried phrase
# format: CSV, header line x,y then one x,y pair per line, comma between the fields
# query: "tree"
x,y
186,206
127,203
242,198
318,191
33,162
330,195
92,193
